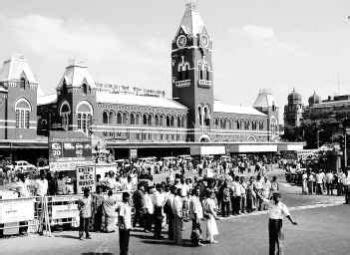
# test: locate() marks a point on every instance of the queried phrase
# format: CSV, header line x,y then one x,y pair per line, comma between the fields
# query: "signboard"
x,y
15,210
65,149
208,150
65,211
67,165
68,144
133,153
85,178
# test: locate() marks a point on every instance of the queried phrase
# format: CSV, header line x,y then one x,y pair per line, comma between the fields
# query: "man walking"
x,y
276,211
124,223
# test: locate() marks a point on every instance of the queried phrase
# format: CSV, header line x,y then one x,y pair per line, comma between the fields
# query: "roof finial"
x,y
191,4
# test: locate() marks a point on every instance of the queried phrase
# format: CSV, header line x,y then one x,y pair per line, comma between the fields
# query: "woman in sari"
x,y
211,217
109,206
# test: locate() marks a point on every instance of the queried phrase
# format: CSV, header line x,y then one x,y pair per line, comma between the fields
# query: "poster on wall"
x,y
85,178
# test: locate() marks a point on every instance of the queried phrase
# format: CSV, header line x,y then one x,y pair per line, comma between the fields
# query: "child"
x,y
85,208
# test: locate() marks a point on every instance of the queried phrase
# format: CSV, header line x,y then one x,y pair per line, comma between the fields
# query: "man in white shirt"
x,y
158,200
41,186
329,183
196,213
276,211
149,210
236,196
178,215
124,223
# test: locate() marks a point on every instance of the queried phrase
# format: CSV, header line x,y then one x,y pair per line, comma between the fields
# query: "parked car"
x,y
23,166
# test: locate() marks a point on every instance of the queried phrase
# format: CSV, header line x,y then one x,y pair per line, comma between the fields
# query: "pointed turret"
x,y
192,22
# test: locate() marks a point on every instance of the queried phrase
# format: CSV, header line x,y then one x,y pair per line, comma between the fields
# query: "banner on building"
x,y
16,210
85,178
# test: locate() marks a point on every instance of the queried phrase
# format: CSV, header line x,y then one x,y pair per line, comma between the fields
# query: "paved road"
x,y
320,231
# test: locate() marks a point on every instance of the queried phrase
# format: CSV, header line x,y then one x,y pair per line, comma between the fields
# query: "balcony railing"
x,y
205,83
183,83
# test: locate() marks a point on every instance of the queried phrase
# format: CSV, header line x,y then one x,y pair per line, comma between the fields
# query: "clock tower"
x,y
192,72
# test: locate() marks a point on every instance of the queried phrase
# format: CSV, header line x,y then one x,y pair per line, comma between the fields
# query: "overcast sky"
x,y
276,44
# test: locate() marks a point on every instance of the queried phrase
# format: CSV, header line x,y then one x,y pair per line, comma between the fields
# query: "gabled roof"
x,y
235,109
127,99
76,74
264,99
192,22
16,68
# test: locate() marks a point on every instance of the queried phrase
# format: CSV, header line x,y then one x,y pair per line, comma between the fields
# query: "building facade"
x,y
128,115
293,116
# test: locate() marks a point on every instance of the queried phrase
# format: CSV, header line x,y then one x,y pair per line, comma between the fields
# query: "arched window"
x,y
125,118
132,119
179,124
216,123
22,83
23,109
206,116
137,120
161,121
183,121
65,115
167,121
84,112
172,121
156,118
149,120
119,118
111,117
145,119
200,117
208,73
261,125
85,88
105,118
201,73
238,124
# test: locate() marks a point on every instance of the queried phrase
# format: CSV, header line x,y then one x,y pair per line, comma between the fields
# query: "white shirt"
x,y
158,199
148,204
236,189
276,211
196,207
41,187
125,212
177,206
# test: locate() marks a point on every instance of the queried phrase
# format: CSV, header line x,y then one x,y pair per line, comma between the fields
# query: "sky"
x,y
275,44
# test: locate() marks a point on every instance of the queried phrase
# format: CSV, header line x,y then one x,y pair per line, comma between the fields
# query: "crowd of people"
x,y
318,181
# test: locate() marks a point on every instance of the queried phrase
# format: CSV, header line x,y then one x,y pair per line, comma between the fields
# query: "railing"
x,y
183,83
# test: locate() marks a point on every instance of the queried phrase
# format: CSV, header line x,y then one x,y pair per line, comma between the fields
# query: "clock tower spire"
x,y
192,71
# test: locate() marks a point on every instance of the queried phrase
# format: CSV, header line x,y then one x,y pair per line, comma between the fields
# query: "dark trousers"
x,y
329,189
243,203
158,219
98,219
124,237
236,204
225,208
148,221
275,237
84,226
138,217
170,218
347,194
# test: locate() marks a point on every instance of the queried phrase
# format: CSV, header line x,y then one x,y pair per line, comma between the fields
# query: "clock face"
x,y
181,41
204,41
